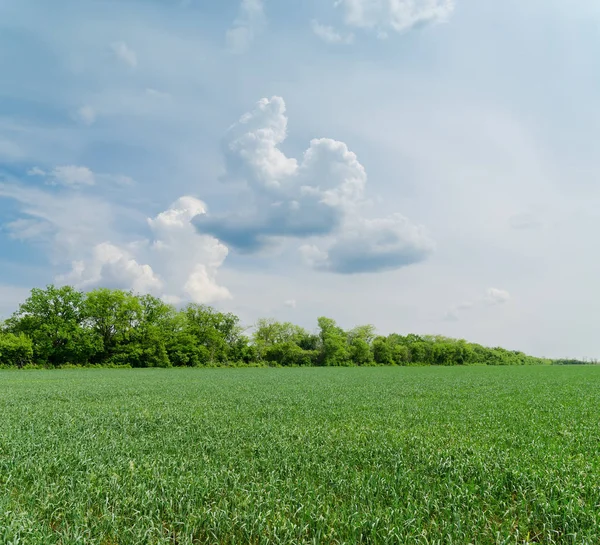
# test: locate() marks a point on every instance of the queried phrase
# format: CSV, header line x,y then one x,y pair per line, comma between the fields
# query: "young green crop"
x,y
357,455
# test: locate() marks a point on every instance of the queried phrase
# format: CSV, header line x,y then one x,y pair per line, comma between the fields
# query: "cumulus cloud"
x,y
177,264
113,267
330,35
124,54
320,195
185,257
251,146
288,199
395,15
249,22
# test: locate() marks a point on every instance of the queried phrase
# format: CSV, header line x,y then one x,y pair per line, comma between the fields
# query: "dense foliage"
x,y
387,455
55,327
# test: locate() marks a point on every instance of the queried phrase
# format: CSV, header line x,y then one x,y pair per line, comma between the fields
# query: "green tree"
x,y
112,315
218,332
133,329
54,320
359,344
283,343
333,343
382,351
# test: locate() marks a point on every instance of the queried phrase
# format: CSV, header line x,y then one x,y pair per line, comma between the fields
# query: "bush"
x,y
15,350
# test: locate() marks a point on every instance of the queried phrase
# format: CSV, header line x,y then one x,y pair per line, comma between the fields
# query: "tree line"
x,y
61,326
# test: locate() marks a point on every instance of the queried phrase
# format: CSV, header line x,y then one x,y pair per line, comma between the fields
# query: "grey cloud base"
x,y
377,246
287,219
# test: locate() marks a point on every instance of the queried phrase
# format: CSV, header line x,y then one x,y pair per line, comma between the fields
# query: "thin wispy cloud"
x,y
125,54
396,16
248,24
330,35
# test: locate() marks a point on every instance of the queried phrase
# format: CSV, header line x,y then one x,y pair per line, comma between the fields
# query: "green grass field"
x,y
374,455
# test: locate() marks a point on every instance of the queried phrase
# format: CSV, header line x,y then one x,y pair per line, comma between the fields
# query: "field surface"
x,y
376,455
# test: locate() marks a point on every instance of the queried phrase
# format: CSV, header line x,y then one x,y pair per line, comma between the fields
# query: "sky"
x,y
425,166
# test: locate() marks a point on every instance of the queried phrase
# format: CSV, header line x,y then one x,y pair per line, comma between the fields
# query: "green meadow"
x,y
419,455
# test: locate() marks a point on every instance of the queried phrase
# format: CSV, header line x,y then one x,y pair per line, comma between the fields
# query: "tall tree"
x,y
333,343
216,331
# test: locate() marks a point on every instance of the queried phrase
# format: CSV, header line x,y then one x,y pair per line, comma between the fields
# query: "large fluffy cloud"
x,y
178,264
322,195
287,198
114,267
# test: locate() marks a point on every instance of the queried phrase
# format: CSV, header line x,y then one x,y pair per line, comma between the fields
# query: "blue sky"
x,y
425,166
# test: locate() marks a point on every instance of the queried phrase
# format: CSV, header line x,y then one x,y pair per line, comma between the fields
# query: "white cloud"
x,y
330,35
251,147
495,296
291,303
178,264
184,257
320,196
87,115
36,171
112,266
396,15
125,54
72,176
249,22
78,176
